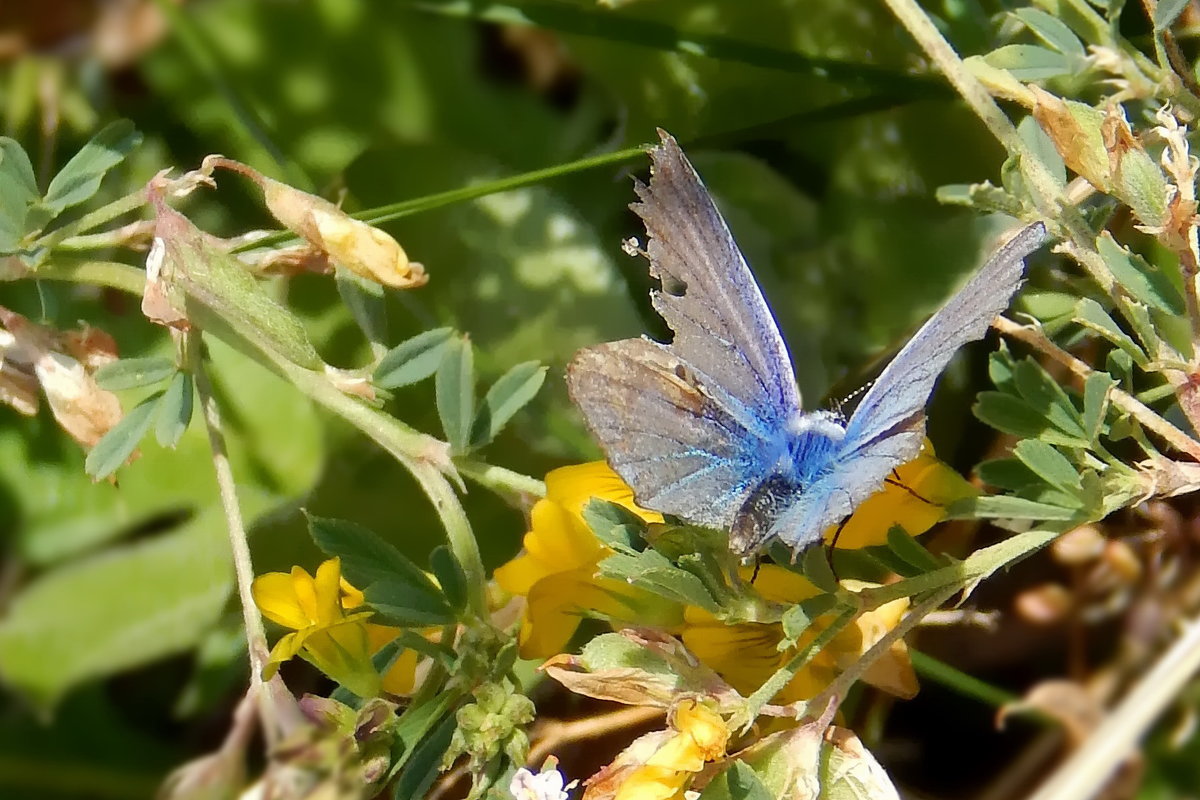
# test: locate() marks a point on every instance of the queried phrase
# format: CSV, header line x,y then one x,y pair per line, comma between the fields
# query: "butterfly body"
x,y
710,427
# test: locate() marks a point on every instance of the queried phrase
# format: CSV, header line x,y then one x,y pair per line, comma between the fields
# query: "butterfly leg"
x,y
758,562
829,548
894,480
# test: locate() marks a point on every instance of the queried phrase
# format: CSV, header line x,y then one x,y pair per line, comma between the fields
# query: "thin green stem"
x,y
975,568
404,208
500,480
94,219
955,679
419,453
112,274
256,636
773,685
641,32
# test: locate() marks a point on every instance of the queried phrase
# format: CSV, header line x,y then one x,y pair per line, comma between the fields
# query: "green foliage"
x,y
822,147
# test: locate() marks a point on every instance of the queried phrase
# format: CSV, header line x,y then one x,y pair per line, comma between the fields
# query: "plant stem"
x,y
502,481
1086,771
1045,192
959,681
256,637
404,208
1144,415
95,219
416,451
763,694
840,685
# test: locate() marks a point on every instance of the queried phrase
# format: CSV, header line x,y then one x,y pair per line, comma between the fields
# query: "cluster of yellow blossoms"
x,y
557,574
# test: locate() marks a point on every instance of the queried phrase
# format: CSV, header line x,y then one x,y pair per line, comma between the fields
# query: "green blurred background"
x,y
119,643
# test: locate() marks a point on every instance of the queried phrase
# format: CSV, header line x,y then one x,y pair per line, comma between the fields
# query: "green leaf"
x,y
413,359
1028,62
425,763
1000,370
652,571
455,390
401,603
366,557
364,299
450,575
796,621
18,191
1052,31
506,397
175,410
909,550
1090,315
119,443
131,373
614,524
1136,276
1007,473
1003,507
1044,394
1096,389
80,177
1050,465
1012,415
1166,12
738,782
1119,364
119,609
1042,146
814,565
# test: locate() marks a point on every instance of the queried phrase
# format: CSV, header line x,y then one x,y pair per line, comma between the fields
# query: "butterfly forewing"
x,y
888,426
709,298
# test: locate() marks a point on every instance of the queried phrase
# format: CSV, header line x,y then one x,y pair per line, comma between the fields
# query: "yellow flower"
x,y
700,737
401,677
556,573
915,498
747,654
323,634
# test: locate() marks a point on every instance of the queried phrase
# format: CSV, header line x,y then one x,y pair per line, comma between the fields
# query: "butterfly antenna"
x,y
838,405
758,562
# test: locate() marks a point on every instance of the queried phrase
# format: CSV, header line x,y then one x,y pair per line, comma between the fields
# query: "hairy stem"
x,y
256,637
1145,416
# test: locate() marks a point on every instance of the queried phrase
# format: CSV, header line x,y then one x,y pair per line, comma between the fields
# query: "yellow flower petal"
x,y
343,652
927,486
558,603
572,487
327,591
275,595
351,597
654,783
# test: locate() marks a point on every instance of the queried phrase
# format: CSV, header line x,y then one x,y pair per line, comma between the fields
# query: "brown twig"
x,y
551,735
1144,415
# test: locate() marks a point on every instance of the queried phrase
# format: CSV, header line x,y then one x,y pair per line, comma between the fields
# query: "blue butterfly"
x,y
710,429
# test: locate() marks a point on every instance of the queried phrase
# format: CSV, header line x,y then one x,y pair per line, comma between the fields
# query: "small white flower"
x,y
544,785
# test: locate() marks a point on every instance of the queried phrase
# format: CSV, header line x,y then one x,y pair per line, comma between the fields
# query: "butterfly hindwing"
x,y
665,433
